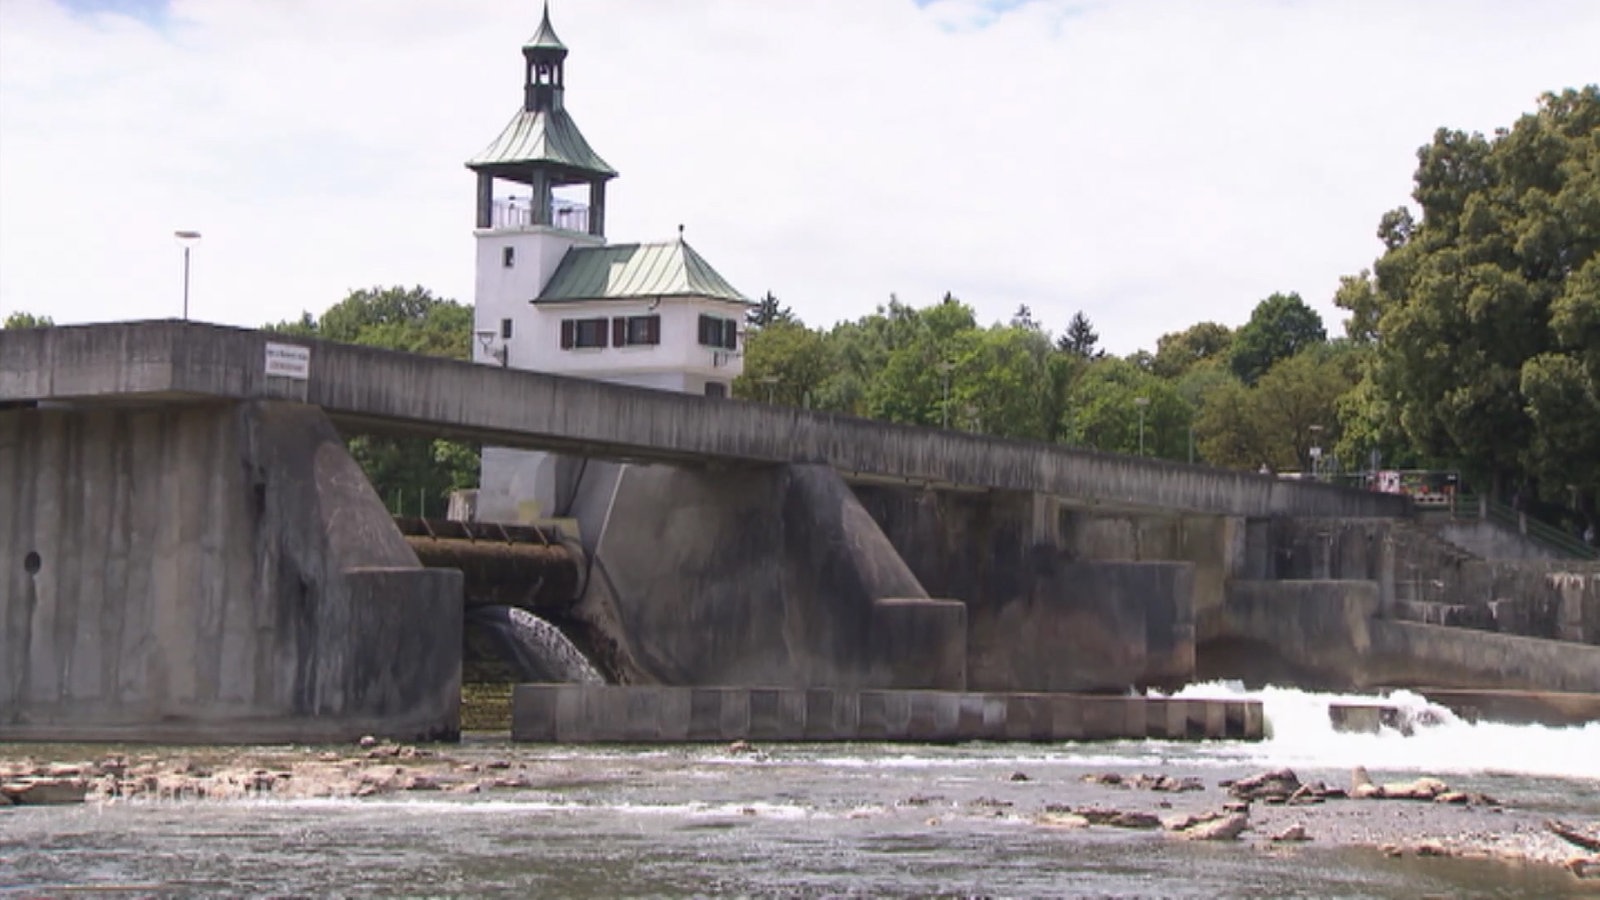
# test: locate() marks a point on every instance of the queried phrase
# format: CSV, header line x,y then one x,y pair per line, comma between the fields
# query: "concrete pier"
x,y
581,714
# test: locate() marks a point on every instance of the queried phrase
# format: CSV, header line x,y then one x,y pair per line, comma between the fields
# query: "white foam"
x,y
1301,734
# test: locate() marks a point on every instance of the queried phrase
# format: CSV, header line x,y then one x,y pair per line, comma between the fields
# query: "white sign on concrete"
x,y
288,361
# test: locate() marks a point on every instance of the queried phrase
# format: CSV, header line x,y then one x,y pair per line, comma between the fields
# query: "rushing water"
x,y
817,820
538,651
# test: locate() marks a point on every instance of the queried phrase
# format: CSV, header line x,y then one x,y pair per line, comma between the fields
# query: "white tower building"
x,y
552,295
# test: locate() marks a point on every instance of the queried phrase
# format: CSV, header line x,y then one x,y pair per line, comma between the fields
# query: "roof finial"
x,y
680,232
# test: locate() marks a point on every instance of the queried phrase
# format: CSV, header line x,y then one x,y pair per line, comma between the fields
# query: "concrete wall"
x,y
1423,577
1038,620
505,407
1212,545
1489,539
770,576
587,714
215,572
1324,634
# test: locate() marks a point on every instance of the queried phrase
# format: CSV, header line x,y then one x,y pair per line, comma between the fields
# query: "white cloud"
x,y
1152,163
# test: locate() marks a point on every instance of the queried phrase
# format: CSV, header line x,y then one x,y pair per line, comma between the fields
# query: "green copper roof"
x,y
632,271
546,38
544,136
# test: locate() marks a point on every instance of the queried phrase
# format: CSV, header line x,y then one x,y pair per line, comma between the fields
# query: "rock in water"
x,y
1226,828
46,791
1292,834
1279,784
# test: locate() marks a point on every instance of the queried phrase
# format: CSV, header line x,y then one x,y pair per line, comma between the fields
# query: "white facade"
x,y
651,315
507,284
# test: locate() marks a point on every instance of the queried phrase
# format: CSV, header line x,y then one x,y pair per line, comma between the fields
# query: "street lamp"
x,y
1141,402
944,410
1316,452
188,240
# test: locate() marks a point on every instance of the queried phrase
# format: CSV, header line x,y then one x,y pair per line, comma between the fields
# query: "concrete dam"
x,y
188,553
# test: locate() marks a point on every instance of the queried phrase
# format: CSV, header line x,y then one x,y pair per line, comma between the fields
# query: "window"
x,y
634,331
583,333
717,390
508,256
719,332
505,329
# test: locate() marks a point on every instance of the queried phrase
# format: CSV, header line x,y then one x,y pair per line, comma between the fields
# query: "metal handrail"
x,y
1468,506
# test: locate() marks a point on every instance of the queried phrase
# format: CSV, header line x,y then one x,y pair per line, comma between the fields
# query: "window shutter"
x,y
730,334
568,327
652,330
619,331
600,330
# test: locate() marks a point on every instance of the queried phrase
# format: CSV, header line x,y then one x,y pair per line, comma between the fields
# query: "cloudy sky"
x,y
1151,162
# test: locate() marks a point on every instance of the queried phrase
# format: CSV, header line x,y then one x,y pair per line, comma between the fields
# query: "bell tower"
x,y
541,191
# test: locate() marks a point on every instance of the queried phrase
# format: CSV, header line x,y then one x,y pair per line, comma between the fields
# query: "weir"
x,y
187,551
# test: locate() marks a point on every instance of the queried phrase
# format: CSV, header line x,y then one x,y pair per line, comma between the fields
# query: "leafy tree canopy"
x,y
21,319
768,311
1487,306
1279,327
1079,338
1179,351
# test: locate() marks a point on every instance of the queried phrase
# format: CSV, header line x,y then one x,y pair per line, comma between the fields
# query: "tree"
x,y
1292,408
21,319
1359,295
1179,351
416,321
767,311
1483,324
1279,327
1079,337
785,362
1103,411
1023,318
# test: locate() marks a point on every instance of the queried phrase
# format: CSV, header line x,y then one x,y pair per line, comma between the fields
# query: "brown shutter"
x,y
652,330
619,331
568,327
600,326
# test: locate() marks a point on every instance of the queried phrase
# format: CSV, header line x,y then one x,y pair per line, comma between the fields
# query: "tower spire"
x,y
545,59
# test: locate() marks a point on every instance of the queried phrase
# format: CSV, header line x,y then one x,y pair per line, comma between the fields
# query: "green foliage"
x,y
1103,411
1179,351
21,319
1359,295
412,475
1292,408
1079,338
785,362
1486,308
768,311
1279,327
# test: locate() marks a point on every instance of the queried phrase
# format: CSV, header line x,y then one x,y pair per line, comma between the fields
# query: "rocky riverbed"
x,y
1272,811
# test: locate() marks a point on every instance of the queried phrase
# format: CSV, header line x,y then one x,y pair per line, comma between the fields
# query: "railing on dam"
x,y
364,387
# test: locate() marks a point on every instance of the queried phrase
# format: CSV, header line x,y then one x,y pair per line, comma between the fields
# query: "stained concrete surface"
x,y
211,572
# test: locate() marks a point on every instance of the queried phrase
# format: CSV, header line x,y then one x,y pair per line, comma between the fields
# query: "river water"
x,y
829,820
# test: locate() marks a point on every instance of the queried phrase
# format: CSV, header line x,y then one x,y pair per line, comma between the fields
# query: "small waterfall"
x,y
536,650
1430,738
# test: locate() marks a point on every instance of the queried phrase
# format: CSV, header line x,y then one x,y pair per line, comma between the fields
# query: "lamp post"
x,y
1316,452
1141,402
187,239
944,409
